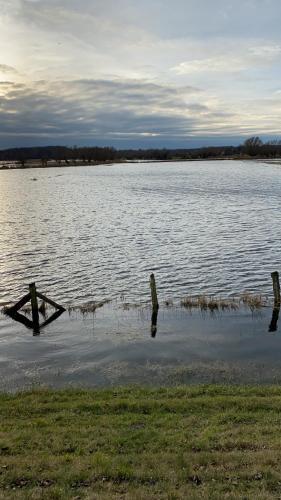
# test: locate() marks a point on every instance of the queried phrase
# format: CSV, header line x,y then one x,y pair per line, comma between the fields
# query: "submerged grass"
x,y
203,302
253,301
88,307
214,304
209,442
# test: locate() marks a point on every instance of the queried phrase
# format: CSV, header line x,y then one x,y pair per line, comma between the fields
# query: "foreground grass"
x,y
190,442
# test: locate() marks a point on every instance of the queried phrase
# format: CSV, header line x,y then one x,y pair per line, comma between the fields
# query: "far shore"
x,y
16,165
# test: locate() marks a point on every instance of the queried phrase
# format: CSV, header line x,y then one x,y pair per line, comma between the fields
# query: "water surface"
x,y
115,347
90,233
94,233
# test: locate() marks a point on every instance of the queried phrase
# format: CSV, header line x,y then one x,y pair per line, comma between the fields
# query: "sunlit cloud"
x,y
5,68
106,71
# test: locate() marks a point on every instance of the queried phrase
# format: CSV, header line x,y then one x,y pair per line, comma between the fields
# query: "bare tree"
x,y
252,146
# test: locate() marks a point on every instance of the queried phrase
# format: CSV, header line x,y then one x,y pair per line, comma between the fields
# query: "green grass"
x,y
202,442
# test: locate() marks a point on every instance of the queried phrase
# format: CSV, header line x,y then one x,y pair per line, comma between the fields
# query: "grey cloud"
x,y
89,109
120,112
198,107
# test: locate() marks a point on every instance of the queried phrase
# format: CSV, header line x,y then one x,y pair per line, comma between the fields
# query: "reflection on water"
x,y
21,318
154,317
274,320
115,346
34,310
92,233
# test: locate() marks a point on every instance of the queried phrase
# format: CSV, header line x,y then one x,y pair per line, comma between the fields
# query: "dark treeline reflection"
x,y
252,147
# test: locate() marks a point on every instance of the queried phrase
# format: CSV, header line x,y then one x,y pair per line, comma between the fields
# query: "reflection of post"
x,y
154,323
34,307
155,305
276,288
274,320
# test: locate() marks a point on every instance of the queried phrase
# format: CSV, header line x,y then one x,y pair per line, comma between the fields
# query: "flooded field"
x,y
114,345
96,233
91,233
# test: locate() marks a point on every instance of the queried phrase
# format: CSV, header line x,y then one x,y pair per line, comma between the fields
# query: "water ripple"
x,y
99,232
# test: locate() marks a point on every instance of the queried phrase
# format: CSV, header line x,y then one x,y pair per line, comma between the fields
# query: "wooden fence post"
x,y
276,288
34,307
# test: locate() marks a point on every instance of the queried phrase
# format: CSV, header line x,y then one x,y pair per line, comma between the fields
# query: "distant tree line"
x,y
58,153
252,147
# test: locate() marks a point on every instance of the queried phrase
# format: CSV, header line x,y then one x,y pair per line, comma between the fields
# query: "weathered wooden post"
x,y
34,307
155,305
276,288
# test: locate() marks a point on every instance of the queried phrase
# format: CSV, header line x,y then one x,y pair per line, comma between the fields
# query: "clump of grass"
x,y
229,304
215,304
88,307
189,302
253,301
202,302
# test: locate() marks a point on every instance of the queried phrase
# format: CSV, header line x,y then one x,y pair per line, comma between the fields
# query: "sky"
x,y
131,73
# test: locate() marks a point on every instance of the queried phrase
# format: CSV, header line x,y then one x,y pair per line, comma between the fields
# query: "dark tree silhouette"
x,y
252,146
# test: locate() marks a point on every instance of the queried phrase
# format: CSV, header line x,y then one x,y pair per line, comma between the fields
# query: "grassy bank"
x,y
189,442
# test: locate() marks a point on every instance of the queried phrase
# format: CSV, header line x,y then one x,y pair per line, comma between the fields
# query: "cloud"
x,y
5,68
231,62
100,70
92,110
183,18
119,111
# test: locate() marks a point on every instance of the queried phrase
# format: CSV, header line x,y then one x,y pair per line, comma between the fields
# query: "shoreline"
x,y
53,164
16,165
